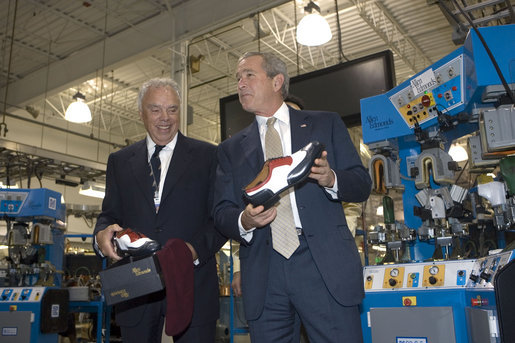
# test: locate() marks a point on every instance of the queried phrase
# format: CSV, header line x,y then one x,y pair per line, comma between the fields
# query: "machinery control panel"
x,y
441,88
21,295
29,204
418,276
12,202
485,268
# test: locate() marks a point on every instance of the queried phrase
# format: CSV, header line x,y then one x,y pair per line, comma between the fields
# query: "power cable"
x,y
3,125
488,51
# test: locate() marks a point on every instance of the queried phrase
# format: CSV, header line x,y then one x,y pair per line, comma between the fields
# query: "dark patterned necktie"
x,y
155,170
284,235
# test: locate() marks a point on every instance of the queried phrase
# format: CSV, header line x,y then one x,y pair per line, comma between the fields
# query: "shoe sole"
x,y
296,176
146,249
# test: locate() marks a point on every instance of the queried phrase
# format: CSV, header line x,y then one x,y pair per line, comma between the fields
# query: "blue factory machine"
x,y
33,307
436,281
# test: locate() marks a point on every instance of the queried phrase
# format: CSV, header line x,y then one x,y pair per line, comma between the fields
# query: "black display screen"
x,y
338,88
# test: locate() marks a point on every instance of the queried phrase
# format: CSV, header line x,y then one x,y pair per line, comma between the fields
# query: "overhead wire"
x,y
3,125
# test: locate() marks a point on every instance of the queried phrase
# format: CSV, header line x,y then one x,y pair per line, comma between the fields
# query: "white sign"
x,y
10,331
54,311
423,82
411,340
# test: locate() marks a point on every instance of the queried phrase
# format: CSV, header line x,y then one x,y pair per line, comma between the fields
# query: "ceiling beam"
x,y
197,16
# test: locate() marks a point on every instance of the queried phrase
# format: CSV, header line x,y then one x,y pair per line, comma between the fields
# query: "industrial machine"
x,y
435,282
33,307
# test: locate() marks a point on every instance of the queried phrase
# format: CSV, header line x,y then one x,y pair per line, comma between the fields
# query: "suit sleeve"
x,y
111,205
354,183
227,207
207,241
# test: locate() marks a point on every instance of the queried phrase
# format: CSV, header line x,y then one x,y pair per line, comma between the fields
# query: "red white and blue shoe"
x,y
133,243
279,174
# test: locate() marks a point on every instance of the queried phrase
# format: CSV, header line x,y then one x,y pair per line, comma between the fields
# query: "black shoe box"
x,y
130,278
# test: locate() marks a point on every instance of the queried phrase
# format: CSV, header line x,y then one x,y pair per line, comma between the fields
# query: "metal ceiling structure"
x,y
106,49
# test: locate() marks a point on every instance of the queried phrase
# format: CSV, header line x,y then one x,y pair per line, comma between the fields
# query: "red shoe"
x,y
279,174
133,243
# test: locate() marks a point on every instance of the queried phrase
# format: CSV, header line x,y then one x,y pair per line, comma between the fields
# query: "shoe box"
x,y
130,278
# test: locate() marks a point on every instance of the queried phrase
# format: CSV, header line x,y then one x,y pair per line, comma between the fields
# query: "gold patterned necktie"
x,y
284,234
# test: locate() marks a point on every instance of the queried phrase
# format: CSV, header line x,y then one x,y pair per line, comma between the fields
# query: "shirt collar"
x,y
170,146
282,114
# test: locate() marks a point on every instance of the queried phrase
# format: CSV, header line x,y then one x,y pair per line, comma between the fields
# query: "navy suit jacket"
x,y
185,213
331,244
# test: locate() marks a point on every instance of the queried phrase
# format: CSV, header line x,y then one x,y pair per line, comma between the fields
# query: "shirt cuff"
x,y
333,191
95,246
245,234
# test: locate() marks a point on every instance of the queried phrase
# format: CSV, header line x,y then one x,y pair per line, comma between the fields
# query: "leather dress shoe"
x,y
133,243
279,174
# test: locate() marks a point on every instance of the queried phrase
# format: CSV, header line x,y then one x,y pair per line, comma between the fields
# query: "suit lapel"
x,y
139,164
300,128
251,145
179,164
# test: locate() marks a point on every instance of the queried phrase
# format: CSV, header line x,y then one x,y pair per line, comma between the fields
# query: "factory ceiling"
x,y
106,49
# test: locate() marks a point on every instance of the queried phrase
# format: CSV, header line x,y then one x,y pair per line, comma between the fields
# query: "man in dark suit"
x,y
177,206
322,281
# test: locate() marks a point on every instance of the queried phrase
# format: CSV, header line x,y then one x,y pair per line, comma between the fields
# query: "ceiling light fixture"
x,y
92,189
78,111
313,29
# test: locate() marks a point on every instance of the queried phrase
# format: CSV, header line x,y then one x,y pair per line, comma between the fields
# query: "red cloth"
x,y
177,269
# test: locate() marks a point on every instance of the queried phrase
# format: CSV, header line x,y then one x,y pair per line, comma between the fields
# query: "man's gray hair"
x,y
273,66
157,82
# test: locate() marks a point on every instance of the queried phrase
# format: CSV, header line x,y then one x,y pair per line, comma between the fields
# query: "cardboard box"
x,y
130,278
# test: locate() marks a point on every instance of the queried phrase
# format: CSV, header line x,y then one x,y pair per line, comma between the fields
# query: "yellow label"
x,y
409,301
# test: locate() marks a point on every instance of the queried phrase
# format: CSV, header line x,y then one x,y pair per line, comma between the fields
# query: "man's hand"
x,y
321,171
256,217
193,251
236,284
104,240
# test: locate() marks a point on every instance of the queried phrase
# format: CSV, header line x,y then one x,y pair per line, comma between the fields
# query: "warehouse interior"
x,y
53,50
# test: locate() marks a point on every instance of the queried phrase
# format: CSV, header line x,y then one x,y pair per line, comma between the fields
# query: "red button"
x,y
439,95
407,302
454,88
426,101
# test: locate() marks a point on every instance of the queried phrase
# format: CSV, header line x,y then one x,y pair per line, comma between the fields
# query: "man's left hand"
x,y
321,171
193,251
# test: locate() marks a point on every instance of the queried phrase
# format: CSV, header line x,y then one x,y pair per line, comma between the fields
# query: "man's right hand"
x,y
255,216
104,240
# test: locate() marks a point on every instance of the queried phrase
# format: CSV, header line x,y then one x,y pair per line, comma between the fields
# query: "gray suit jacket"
x,y
331,244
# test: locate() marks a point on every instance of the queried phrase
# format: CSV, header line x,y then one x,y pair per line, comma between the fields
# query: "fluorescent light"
x,y
78,111
2,186
92,189
313,29
458,153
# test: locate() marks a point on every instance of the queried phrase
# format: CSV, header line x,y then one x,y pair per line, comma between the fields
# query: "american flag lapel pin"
x,y
303,125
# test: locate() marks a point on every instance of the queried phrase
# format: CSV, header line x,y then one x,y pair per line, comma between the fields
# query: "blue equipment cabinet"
x,y
32,314
410,129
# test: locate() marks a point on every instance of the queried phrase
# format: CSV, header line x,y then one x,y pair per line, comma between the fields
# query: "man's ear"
x,y
278,81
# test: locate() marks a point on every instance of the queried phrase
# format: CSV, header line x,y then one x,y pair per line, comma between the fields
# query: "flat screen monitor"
x,y
338,88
